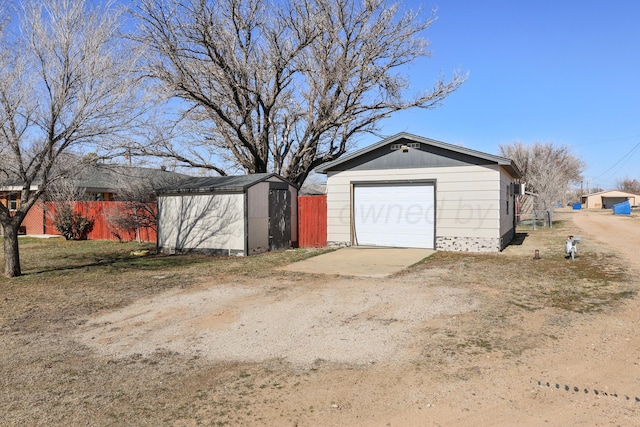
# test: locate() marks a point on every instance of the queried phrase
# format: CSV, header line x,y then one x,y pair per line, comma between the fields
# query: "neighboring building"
x,y
606,199
410,191
230,215
99,182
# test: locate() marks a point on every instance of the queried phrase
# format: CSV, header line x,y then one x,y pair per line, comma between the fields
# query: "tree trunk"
x,y
11,253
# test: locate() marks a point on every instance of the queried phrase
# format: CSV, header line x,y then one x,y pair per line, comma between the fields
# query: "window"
x,y
12,202
508,188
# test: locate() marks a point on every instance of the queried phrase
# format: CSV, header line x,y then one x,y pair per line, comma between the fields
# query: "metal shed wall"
x,y
212,223
258,218
226,215
258,215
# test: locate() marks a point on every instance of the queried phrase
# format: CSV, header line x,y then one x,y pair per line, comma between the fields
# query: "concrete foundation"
x,y
468,244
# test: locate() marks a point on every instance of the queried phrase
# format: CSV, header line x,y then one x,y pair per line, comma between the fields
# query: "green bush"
x,y
72,225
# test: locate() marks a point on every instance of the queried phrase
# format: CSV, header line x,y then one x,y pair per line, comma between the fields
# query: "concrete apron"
x,y
363,261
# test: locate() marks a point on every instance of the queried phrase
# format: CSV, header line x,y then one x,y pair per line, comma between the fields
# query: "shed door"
x,y
396,215
279,219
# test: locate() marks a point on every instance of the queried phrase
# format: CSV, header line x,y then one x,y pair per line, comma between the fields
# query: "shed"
x,y
411,191
606,199
230,215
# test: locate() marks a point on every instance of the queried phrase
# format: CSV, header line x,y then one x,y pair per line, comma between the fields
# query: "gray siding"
x,y
468,215
507,216
424,156
258,218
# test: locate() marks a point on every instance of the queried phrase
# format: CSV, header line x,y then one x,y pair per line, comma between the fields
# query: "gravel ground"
x,y
351,321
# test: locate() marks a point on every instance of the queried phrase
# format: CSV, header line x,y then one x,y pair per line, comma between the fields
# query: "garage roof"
x,y
508,164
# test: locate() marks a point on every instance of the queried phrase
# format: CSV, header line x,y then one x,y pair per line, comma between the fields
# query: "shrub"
x,y
72,225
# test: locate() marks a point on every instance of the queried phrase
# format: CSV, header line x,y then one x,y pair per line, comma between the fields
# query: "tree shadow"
x,y
518,239
123,261
209,224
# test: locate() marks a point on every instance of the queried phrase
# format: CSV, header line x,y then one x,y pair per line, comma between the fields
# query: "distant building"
x,y
100,182
606,199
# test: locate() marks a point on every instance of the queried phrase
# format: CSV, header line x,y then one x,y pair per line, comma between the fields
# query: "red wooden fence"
x,y
312,221
102,215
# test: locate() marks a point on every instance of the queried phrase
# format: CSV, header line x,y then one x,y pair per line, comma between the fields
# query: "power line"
x,y
602,141
624,158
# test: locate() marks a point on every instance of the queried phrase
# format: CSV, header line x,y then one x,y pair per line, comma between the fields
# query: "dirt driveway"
x,y
450,344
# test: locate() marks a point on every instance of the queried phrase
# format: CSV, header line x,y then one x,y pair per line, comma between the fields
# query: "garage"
x,y
606,199
408,191
394,214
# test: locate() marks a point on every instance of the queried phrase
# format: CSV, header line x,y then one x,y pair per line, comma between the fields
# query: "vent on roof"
x,y
405,146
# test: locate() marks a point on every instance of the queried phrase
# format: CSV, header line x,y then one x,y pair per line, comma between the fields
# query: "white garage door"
x,y
396,215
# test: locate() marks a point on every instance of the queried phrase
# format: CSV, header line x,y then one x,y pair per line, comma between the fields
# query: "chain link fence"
x,y
537,218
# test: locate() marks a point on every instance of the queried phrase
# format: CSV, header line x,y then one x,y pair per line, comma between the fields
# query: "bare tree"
x,y
629,185
62,197
65,82
285,86
65,190
547,170
139,204
138,210
314,184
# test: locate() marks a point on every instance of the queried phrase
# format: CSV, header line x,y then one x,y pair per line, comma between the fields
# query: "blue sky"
x,y
563,71
566,72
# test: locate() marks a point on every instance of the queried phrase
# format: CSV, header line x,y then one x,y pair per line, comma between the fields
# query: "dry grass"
x,y
49,379
518,291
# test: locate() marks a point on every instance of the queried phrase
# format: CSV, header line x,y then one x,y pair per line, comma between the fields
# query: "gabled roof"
x,y
237,183
618,193
502,161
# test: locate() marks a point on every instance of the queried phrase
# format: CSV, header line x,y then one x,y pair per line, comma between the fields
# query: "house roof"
x,y
508,164
99,177
114,177
236,183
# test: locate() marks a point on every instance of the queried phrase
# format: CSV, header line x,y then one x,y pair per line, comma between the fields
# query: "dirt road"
x,y
620,232
588,374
